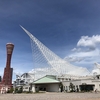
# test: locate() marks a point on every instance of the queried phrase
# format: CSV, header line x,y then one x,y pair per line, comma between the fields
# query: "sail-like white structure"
x,y
47,62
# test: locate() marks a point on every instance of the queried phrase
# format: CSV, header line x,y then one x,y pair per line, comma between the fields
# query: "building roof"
x,y
46,79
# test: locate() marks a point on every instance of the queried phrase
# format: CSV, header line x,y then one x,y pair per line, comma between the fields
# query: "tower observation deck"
x,y
47,62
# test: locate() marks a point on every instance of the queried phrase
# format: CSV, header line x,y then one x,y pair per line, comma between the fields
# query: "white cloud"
x,y
94,53
80,56
96,71
87,50
90,42
74,59
76,49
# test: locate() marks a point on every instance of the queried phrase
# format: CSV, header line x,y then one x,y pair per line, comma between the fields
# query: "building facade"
x,y
50,83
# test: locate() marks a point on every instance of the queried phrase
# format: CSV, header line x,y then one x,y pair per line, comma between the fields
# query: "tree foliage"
x,y
72,87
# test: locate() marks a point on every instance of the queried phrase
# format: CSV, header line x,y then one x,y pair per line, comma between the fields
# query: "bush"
x,y
19,90
72,87
11,90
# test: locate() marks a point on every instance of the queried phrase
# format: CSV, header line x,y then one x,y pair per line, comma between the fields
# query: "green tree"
x,y
61,87
11,90
72,87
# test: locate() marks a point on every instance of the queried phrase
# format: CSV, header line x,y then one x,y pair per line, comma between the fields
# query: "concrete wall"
x,y
26,88
87,81
94,82
33,88
53,87
66,84
97,85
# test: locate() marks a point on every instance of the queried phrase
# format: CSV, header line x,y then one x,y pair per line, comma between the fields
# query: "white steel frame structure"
x,y
47,62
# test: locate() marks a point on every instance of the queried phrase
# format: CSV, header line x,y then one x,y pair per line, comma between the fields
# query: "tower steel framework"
x,y
47,62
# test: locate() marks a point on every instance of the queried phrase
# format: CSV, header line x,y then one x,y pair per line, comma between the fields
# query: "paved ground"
x,y
51,96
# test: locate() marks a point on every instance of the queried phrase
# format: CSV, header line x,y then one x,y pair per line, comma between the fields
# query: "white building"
x,y
51,83
48,83
82,83
23,79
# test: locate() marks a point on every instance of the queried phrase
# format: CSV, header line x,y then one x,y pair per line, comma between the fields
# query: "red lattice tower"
x,y
7,77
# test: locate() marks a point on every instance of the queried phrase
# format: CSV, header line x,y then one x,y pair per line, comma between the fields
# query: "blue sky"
x,y
70,28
